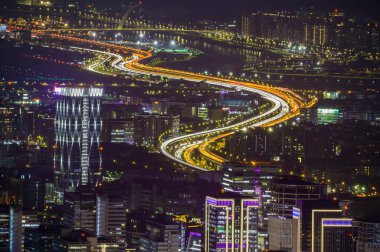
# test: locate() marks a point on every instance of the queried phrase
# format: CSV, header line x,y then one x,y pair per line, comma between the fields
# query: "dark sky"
x,y
231,9
227,9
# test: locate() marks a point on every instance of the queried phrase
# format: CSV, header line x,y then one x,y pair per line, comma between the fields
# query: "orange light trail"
x,y
293,100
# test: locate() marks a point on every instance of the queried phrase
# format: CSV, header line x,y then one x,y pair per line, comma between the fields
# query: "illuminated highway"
x,y
93,67
285,103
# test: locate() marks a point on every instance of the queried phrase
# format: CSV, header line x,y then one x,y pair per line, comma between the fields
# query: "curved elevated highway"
x,y
284,103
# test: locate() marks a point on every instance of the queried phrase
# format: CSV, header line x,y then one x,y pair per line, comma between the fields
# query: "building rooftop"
x,y
79,91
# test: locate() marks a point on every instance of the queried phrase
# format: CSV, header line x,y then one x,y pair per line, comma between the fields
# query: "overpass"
x,y
285,104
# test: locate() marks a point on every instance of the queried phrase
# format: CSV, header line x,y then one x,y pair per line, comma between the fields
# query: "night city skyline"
x,y
184,126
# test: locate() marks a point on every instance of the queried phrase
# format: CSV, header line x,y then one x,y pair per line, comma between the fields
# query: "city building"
x,y
42,141
248,145
172,198
148,128
243,178
3,29
287,192
28,2
368,236
316,225
316,34
33,189
203,113
143,196
293,145
42,238
313,232
283,228
162,234
251,179
20,34
246,26
282,26
12,153
101,213
311,28
119,131
79,210
111,217
30,219
191,232
189,112
336,235
283,234
217,113
231,223
7,123
16,122
329,115
78,127
194,242
83,240
11,230
330,95
45,130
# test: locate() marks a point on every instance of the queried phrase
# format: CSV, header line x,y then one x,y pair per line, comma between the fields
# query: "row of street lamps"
x,y
141,36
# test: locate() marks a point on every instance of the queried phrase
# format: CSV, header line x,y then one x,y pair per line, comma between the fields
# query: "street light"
x,y
172,42
155,42
117,35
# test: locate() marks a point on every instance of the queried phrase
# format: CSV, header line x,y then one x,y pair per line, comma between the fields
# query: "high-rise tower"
x,y
231,223
78,127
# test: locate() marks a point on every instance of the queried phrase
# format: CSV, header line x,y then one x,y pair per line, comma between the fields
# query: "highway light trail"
x,y
95,65
285,103
204,134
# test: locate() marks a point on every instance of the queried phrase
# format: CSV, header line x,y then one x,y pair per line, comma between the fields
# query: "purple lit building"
x,y
231,223
252,179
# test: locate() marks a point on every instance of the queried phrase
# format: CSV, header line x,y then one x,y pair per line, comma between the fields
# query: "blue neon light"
x,y
337,222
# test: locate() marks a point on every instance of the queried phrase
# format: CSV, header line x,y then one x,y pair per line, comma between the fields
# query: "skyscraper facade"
x,y
251,179
111,217
231,223
331,231
11,233
283,228
78,127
